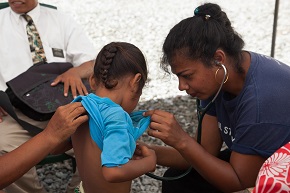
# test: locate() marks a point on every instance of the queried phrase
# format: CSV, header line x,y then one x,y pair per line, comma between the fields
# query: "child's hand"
x,y
143,152
138,152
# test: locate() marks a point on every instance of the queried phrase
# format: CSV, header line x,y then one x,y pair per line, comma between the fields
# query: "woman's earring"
x,y
216,72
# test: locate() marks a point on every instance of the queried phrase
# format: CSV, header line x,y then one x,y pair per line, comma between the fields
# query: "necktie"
x,y
36,47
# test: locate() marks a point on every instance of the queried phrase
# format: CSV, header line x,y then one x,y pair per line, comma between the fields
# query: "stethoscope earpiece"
x,y
217,62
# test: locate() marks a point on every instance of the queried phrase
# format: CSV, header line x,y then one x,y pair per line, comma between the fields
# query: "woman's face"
x,y
194,78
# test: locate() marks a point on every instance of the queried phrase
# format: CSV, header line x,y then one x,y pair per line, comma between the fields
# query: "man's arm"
x,y
61,126
86,69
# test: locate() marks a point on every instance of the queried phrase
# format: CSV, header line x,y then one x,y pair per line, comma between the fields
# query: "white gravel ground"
x,y
146,23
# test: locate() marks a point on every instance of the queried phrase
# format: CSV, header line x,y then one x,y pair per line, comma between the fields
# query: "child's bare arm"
x,y
132,169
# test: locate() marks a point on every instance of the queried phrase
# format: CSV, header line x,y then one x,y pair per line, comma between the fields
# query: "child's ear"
x,y
134,83
92,82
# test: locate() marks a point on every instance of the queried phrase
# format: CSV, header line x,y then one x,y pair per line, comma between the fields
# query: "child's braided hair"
x,y
117,59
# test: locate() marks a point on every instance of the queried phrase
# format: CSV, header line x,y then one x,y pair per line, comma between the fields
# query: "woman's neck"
x,y
237,79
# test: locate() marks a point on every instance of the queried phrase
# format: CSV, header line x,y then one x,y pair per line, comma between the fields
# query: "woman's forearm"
x,y
236,175
169,157
17,162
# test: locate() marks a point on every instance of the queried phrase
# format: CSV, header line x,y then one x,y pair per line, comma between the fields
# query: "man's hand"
x,y
2,113
71,80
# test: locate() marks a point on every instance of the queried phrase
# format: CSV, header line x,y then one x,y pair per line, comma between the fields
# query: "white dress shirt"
x,y
57,32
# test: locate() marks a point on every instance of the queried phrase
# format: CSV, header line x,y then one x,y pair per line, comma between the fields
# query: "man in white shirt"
x,y
63,41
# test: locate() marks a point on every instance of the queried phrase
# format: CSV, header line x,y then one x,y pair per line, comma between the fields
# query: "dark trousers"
x,y
192,182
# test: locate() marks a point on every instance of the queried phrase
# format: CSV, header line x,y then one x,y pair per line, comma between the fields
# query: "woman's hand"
x,y
65,121
165,127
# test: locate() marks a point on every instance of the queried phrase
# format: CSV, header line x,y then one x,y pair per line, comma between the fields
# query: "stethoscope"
x,y
201,111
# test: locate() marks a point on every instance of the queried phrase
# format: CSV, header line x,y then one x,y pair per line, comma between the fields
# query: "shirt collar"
x,y
34,14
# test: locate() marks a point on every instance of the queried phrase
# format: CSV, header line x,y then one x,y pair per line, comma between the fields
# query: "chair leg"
x,y
58,158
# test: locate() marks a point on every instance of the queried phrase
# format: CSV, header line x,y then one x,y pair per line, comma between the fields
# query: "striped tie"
x,y
36,48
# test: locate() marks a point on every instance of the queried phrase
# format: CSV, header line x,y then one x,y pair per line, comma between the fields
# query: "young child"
x,y
104,147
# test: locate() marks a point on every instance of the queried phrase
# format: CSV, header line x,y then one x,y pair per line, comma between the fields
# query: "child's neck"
x,y
113,94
